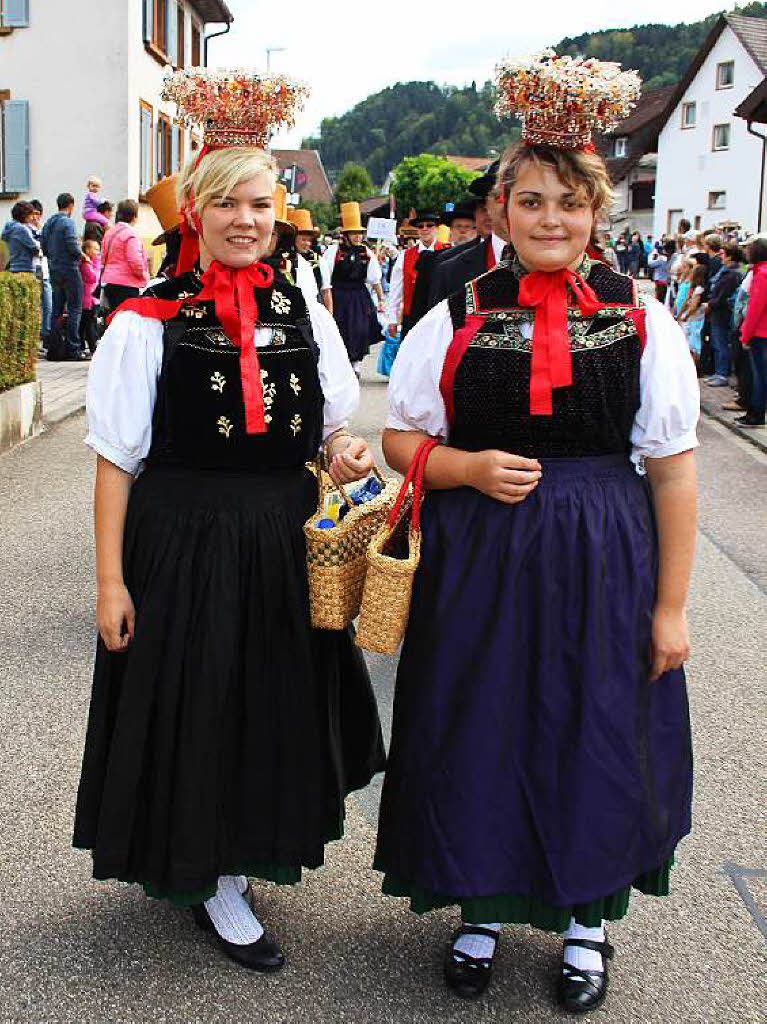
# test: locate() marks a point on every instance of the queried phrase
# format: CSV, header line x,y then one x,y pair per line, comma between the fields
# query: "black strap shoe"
x,y
263,955
578,989
466,975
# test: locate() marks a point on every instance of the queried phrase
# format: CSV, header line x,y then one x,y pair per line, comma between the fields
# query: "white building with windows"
x,y
80,91
707,160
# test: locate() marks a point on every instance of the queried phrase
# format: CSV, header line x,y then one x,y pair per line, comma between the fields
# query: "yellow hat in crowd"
x,y
351,218
164,201
302,221
443,234
281,208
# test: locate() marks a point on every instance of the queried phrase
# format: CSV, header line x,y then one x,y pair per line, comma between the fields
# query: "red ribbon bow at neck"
x,y
551,364
232,292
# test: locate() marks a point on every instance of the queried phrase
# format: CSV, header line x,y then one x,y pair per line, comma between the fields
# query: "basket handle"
x,y
339,487
414,476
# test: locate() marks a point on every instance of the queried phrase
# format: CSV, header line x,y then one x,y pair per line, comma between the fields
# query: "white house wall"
x,y
688,169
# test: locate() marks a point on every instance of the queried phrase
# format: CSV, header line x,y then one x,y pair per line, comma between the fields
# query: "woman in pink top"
x,y
125,264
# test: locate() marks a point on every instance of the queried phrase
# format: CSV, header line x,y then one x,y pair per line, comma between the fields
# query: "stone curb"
x,y
20,414
712,410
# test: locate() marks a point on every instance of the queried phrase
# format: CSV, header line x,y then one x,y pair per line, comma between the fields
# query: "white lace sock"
x,y
229,911
478,946
577,956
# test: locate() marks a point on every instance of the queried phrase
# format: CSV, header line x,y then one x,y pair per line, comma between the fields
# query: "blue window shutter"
x,y
16,145
172,48
148,20
175,149
146,150
15,13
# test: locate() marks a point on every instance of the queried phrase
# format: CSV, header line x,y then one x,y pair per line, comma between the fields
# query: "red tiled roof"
x,y
311,181
754,106
470,163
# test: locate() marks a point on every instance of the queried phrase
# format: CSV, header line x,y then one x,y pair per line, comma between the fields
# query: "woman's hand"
x,y
353,462
500,475
115,615
670,640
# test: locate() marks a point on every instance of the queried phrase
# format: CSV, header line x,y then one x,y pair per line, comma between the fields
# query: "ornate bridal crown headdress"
x,y
561,100
235,107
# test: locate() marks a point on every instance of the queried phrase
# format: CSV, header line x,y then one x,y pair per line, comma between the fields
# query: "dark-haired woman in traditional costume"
x,y
540,764
224,733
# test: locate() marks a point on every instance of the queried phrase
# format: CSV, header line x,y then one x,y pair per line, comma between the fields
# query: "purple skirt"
x,y
356,318
530,755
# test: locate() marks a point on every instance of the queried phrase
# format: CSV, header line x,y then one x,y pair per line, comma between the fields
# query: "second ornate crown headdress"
x,y
561,100
235,107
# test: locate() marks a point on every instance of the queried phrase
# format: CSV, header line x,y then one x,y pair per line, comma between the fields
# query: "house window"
x,y
688,115
164,146
725,74
14,13
160,25
717,200
176,148
180,38
195,45
696,222
621,146
147,121
14,144
721,137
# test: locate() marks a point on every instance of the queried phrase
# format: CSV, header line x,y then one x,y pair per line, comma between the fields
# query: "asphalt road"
x,y
75,950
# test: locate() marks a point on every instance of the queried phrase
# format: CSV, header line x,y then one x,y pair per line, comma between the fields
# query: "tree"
x,y
323,215
354,185
428,182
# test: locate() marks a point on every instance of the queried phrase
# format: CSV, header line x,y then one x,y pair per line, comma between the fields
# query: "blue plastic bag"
x,y
388,353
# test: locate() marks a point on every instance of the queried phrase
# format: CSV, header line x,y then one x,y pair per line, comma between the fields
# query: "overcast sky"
x,y
347,49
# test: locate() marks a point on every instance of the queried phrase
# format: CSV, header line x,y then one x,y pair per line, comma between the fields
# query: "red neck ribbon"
x,y
551,364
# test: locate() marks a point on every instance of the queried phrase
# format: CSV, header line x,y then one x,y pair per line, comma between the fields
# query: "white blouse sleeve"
x,y
306,280
395,288
415,401
668,390
121,390
337,378
374,269
326,265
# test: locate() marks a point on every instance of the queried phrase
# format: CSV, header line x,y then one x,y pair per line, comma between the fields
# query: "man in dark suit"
x,y
461,219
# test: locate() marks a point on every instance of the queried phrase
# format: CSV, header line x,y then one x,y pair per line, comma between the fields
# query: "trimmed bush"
x,y
19,328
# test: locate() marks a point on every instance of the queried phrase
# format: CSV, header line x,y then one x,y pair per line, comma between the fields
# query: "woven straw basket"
x,y
335,559
392,560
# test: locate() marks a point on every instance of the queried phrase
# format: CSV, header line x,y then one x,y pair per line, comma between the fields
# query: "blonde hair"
x,y
221,171
574,168
95,181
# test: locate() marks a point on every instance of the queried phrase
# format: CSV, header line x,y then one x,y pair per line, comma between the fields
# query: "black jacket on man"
x,y
468,262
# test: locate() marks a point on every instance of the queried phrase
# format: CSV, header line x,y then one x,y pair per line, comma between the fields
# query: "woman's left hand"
x,y
353,463
670,641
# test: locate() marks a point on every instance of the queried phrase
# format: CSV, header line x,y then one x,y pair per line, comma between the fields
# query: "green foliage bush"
x,y
19,328
427,182
354,185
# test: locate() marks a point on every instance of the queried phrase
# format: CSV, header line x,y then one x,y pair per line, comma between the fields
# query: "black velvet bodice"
x,y
199,416
491,392
351,265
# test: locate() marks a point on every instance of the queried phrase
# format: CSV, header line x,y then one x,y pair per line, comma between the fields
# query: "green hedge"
x,y
19,328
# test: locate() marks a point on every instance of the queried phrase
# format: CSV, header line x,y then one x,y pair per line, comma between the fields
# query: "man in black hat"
x,y
405,271
460,217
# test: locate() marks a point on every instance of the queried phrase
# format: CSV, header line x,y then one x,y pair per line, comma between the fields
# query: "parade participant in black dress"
x,y
224,732
540,764
347,270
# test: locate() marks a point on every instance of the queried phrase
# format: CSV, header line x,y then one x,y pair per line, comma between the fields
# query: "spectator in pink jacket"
x,y
126,272
90,271
753,334
91,202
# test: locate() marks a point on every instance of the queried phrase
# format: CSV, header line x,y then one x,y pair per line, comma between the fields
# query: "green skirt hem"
x,y
512,908
281,874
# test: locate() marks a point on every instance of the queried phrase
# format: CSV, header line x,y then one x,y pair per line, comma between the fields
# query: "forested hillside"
x,y
422,117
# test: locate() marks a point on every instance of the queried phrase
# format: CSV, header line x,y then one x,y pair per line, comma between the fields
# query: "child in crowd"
x,y
92,200
692,316
90,271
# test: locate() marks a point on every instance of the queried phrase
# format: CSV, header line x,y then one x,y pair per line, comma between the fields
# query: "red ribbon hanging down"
x,y
551,365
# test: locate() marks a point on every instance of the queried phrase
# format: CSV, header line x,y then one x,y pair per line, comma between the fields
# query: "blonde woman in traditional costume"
x,y
224,732
540,764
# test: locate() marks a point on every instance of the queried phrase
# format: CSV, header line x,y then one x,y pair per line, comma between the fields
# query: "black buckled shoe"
x,y
263,955
469,976
578,989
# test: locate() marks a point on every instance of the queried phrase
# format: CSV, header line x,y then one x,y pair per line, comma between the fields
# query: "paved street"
x,y
75,950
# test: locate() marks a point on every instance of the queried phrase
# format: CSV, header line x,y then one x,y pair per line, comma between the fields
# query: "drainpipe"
x,y
213,36
761,177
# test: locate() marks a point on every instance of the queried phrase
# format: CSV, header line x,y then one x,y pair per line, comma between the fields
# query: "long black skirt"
x,y
535,773
356,318
226,738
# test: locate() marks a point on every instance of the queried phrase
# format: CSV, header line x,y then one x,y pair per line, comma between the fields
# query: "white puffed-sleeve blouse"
x,y
665,421
123,376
